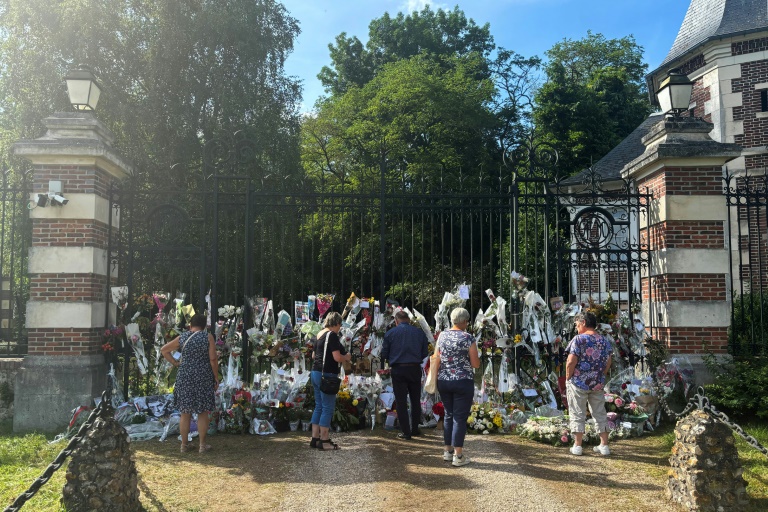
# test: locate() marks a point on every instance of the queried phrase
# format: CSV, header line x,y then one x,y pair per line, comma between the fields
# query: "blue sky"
x,y
529,27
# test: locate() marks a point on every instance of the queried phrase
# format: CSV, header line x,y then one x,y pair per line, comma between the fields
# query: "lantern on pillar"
x,y
83,89
674,93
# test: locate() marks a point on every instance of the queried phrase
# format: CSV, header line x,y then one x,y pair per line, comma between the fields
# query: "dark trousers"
x,y
406,380
457,398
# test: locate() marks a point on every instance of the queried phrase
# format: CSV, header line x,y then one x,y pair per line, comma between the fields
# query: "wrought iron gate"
x,y
746,195
15,239
239,228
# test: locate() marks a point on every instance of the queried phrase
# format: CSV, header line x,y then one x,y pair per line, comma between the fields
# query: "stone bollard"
x,y
706,472
102,474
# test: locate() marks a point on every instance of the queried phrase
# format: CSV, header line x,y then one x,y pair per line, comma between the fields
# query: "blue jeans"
x,y
457,398
324,404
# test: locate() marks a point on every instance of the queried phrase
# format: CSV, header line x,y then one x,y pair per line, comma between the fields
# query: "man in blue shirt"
x,y
405,347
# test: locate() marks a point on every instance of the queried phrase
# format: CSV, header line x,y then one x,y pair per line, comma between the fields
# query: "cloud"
x,y
417,5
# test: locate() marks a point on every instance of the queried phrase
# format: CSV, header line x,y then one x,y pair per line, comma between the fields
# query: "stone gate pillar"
x,y
68,261
685,290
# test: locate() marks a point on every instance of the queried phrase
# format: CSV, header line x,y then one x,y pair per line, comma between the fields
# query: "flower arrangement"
x,y
112,338
556,431
144,303
345,416
519,281
484,419
238,417
439,410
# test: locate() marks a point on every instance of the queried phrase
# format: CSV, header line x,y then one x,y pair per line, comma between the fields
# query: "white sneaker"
x,y
576,450
447,456
602,449
460,461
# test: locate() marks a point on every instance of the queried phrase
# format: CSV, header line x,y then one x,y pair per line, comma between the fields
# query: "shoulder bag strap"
x,y
325,351
187,342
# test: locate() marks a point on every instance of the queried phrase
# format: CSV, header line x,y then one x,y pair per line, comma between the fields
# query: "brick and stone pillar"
x,y
68,261
686,289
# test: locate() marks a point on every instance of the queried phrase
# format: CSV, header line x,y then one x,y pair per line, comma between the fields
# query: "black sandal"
x,y
314,442
322,442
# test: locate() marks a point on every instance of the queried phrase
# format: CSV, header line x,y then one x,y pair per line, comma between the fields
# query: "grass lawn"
x,y
255,465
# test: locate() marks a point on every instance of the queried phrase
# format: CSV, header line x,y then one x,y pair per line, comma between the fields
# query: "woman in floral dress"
x,y
197,379
457,352
589,359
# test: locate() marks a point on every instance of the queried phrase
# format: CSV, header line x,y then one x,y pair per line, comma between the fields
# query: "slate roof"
x,y
710,19
609,167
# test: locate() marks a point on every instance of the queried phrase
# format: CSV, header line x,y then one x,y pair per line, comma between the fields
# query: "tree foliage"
x,y
442,33
174,72
594,96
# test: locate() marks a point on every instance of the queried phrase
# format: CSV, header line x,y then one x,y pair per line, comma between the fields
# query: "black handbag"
x,y
328,384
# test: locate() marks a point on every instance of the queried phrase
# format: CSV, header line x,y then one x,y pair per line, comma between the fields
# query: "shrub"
x,y
748,334
739,386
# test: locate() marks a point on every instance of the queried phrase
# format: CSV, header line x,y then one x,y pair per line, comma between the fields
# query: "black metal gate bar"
x,y
746,194
15,239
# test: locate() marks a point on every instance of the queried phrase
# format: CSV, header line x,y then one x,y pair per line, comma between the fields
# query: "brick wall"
x,y
754,243
755,129
68,287
699,181
69,233
74,179
64,341
699,96
694,339
685,234
706,287
749,46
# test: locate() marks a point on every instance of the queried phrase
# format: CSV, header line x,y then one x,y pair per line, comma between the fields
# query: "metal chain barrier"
x,y
701,402
104,409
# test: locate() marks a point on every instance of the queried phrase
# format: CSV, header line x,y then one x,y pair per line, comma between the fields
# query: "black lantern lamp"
x,y
83,89
674,93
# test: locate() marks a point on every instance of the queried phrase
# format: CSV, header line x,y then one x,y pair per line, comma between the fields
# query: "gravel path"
x,y
378,473
375,471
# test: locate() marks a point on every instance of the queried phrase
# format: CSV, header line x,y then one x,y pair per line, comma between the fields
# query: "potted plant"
x,y
306,419
294,416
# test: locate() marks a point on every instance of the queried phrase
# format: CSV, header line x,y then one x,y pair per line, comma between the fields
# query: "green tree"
x,y
594,96
442,33
175,72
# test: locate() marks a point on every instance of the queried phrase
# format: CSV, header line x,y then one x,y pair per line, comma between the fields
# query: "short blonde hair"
x,y
332,319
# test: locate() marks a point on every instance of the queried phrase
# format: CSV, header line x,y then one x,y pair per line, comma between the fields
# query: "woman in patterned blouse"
x,y
457,353
589,359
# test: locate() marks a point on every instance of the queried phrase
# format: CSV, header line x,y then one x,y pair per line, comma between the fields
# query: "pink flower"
x,y
564,439
619,402
609,398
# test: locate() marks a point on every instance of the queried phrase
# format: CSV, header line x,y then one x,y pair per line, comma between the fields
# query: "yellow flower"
x,y
497,421
518,339
471,419
354,402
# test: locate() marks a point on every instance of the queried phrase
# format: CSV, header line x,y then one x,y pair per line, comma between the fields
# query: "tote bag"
x,y
430,385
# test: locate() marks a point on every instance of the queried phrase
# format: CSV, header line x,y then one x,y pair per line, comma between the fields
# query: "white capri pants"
x,y
577,407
